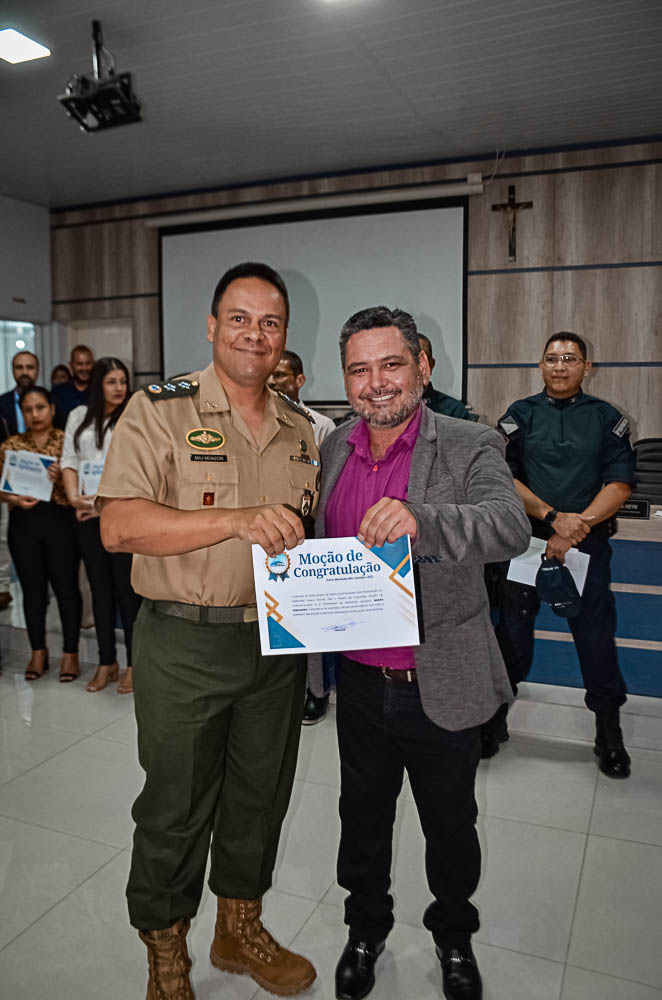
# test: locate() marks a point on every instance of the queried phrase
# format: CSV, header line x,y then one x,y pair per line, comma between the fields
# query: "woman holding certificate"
x,y
42,531
86,441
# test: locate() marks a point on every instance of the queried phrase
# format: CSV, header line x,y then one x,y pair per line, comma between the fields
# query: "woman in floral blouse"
x,y
42,541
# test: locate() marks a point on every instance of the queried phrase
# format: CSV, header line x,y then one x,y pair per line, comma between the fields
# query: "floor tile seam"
x,y
624,840
65,833
46,760
74,888
528,822
521,737
581,874
319,784
514,951
564,704
618,979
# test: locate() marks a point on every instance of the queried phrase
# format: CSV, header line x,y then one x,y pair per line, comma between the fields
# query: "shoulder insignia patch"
x,y
621,427
297,407
508,426
174,389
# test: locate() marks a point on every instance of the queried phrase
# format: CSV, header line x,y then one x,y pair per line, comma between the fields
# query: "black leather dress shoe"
x,y
613,758
493,733
314,709
461,978
355,971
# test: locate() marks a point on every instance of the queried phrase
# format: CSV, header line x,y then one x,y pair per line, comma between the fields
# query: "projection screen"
x,y
334,263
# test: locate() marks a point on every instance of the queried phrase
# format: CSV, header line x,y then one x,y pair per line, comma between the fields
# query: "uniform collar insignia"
x,y
213,398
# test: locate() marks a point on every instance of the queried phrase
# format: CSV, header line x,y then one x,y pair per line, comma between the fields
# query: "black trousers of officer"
x,y
382,730
593,630
218,735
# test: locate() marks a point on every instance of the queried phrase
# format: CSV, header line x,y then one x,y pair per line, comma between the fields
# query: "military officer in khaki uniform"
x,y
200,468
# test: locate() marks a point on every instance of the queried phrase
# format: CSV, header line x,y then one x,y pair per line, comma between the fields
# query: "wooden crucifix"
x,y
511,208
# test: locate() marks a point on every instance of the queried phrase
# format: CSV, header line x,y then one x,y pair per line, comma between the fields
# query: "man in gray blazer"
x,y
401,469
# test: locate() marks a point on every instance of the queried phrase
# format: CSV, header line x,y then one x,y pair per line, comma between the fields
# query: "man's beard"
x,y
24,381
408,405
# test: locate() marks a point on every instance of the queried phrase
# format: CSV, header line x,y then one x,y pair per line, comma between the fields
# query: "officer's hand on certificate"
x,y
386,521
573,527
274,527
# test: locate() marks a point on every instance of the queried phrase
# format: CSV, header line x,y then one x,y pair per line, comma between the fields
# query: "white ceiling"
x,y
245,90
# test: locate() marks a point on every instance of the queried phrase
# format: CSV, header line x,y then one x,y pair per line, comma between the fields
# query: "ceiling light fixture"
x,y
18,48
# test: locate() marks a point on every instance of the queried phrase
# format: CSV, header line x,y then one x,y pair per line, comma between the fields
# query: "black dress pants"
x,y
109,574
382,730
44,546
593,630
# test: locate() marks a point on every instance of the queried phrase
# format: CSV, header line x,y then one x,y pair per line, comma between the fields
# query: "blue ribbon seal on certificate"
x,y
278,566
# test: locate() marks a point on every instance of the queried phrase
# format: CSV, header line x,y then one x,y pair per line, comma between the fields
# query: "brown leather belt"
x,y
204,614
400,676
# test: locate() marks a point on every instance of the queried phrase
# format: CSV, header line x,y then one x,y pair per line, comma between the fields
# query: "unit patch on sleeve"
x,y
508,426
621,428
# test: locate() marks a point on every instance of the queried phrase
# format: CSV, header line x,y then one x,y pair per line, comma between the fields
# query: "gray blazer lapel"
x,y
425,452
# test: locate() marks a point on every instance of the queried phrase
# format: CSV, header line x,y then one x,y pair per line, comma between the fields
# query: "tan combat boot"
x,y
169,964
242,944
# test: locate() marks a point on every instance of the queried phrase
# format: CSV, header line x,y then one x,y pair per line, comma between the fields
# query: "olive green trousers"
x,y
218,735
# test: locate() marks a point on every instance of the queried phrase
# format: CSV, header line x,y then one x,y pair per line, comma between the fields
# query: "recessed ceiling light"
x,y
16,48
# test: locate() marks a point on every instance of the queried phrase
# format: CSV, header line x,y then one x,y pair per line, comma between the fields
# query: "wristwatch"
x,y
550,517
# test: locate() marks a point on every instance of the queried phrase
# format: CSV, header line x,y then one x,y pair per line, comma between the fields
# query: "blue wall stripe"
x,y
636,562
565,267
639,617
557,663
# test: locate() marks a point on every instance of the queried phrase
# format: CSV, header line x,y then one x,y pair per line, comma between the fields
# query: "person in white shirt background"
x,y
87,438
288,377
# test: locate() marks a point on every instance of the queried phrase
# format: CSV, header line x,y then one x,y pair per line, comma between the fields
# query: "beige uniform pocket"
x,y
195,482
303,486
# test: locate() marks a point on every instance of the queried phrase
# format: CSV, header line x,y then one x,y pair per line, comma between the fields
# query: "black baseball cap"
x,y
556,587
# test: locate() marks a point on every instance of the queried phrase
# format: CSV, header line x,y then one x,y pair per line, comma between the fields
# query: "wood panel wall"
x,y
589,259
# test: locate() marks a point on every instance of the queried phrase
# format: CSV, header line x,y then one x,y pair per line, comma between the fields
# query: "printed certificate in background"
x,y
26,474
89,477
330,594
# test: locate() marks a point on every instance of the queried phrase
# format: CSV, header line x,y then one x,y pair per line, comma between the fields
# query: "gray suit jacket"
x,y
468,513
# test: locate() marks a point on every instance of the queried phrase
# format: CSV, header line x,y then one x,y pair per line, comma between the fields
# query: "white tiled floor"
x,y
570,897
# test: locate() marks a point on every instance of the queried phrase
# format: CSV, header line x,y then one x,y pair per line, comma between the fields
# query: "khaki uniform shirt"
x,y
194,451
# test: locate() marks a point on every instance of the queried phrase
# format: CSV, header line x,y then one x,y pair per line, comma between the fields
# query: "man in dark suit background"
x,y
401,469
25,368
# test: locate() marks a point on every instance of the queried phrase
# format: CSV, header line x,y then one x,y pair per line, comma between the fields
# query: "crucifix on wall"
x,y
511,208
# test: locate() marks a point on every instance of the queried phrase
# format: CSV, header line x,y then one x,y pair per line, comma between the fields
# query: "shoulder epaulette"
x,y
297,407
174,389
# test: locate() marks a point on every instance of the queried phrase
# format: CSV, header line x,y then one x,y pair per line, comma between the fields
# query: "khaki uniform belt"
x,y
204,614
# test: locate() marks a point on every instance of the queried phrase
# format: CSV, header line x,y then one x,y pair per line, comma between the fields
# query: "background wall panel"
x,y
590,206
509,315
618,310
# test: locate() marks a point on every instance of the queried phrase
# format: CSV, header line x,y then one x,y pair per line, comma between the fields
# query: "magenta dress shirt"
x,y
360,485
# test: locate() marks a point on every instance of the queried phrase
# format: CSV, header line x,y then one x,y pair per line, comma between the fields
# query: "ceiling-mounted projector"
x,y
105,100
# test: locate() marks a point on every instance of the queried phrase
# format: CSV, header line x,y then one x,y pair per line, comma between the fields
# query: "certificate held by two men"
x,y
333,594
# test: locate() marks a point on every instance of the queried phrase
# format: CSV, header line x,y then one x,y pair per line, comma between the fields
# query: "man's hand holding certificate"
x,y
335,594
25,473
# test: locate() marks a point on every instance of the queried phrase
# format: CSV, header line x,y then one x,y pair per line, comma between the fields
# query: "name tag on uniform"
x,y
208,458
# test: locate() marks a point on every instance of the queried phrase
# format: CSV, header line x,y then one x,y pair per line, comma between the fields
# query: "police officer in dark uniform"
x,y
441,402
572,461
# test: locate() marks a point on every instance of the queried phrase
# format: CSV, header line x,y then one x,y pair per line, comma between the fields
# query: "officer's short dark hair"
x,y
251,269
376,317
566,335
294,361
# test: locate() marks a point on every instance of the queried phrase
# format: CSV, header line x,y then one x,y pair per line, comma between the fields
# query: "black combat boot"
x,y
613,758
